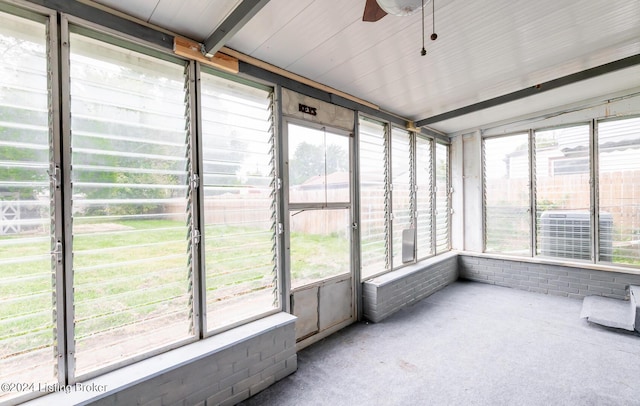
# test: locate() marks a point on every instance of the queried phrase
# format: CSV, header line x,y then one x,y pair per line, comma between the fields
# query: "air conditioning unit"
x,y
566,234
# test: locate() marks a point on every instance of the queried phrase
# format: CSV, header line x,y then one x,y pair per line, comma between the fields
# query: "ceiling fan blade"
x,y
372,11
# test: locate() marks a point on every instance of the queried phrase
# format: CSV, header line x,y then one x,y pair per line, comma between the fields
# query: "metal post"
x,y
196,202
282,198
67,192
533,227
356,256
56,197
388,197
434,199
595,192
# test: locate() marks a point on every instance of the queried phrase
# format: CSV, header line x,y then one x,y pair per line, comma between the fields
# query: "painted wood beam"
x,y
232,24
532,90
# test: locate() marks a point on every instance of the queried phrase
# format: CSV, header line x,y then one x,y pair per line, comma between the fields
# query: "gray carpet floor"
x,y
469,344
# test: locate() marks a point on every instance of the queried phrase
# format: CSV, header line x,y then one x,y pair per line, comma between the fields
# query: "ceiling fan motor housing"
x,y
401,7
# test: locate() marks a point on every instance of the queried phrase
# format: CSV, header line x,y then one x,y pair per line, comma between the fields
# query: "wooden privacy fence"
x,y
251,209
619,194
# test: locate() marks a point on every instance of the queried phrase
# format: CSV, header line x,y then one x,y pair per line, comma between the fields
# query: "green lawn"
x,y
129,271
314,257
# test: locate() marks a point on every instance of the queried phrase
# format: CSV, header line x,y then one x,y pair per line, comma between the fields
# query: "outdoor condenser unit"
x,y
566,234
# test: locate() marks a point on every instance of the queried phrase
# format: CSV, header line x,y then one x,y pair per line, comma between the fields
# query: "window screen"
x,y
374,247
131,267
619,191
563,196
239,188
26,291
507,198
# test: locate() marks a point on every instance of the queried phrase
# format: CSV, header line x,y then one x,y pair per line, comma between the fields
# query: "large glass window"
x,y
27,319
619,191
443,202
374,247
402,178
424,197
319,203
404,187
131,271
318,166
507,198
239,195
563,192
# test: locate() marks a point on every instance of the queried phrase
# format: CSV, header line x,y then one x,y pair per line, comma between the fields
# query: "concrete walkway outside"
x,y
469,344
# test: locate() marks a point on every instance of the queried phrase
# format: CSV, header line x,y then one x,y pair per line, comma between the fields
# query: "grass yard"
x,y
128,273
314,257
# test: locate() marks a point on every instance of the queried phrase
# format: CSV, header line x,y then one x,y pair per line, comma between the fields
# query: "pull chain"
x,y
434,36
423,52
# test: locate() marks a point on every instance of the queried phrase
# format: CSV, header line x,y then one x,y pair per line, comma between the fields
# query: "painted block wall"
x,y
222,370
559,280
386,294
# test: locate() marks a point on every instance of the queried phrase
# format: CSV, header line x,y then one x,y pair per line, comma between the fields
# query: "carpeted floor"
x,y
469,344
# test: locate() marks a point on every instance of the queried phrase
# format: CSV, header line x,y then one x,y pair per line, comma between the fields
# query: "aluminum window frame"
x,y
411,184
277,199
531,199
595,196
387,195
449,194
432,147
594,188
69,24
534,187
435,141
48,18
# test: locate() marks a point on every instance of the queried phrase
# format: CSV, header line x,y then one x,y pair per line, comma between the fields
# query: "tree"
x,y
309,160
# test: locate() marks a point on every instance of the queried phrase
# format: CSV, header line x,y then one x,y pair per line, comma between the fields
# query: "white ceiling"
x,y
485,49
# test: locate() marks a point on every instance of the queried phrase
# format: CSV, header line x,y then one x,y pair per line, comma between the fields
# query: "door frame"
x,y
353,274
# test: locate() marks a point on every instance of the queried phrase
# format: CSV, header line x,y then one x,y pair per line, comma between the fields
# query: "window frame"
x,y
48,18
594,190
595,152
531,197
68,24
71,24
435,141
449,193
386,193
396,252
534,188
432,195
199,219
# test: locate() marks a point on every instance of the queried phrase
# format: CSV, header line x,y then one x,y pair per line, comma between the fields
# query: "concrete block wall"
x,y
568,281
222,370
386,294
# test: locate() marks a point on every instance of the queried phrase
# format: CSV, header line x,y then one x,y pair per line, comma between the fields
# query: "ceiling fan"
x,y
374,10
